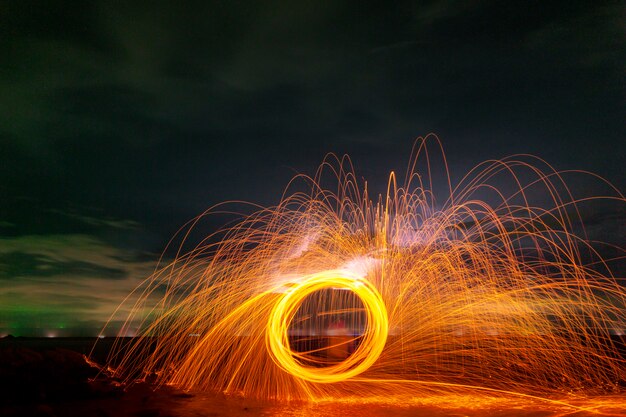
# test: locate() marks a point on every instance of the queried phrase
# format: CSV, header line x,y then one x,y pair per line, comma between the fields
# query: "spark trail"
x,y
488,289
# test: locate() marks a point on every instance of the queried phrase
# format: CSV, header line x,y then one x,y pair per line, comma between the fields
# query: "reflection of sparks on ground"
x,y
433,405
483,297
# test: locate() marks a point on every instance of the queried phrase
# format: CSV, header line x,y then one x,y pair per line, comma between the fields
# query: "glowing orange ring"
x,y
370,348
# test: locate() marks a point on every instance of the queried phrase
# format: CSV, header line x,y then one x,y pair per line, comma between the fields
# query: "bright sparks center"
x,y
373,339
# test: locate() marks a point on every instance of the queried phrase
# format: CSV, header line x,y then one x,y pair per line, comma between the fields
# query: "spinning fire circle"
x,y
368,351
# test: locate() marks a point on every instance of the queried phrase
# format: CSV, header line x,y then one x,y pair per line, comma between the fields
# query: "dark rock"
x,y
31,377
148,413
100,412
44,410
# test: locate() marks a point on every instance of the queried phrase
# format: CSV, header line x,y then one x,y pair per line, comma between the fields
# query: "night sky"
x,y
118,123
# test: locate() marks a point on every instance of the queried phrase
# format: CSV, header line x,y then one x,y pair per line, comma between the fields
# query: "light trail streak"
x,y
480,290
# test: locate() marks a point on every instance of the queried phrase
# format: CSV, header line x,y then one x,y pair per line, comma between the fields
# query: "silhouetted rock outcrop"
x,y
29,376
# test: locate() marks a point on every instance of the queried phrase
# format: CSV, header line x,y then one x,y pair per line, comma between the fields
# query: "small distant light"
x,y
101,336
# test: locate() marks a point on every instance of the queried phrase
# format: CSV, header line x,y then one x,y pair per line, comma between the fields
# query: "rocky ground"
x,y
39,378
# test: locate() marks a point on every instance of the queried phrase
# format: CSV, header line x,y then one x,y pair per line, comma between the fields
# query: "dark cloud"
x,y
108,222
122,122
16,265
68,280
